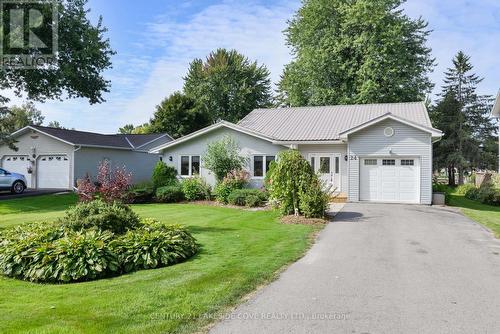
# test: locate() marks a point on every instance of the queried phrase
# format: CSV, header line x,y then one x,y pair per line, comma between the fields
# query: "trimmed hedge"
x,y
195,188
56,252
141,193
247,197
116,217
169,194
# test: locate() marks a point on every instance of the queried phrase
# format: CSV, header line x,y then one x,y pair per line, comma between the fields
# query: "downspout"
x,y
73,167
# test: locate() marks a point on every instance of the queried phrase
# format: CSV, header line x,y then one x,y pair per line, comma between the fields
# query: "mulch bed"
x,y
215,203
291,219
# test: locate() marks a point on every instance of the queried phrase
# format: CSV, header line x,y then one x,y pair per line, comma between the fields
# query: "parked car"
x,y
14,182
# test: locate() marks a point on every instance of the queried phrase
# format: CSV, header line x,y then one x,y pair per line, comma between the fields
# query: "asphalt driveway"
x,y
384,269
28,193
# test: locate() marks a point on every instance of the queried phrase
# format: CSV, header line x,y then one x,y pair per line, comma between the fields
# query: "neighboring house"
x,y
57,158
376,152
495,112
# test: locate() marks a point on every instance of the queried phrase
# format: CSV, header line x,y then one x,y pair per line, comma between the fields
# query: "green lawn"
x,y
240,250
486,215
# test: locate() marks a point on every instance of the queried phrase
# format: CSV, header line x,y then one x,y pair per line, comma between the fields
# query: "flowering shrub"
x,y
86,189
111,185
237,179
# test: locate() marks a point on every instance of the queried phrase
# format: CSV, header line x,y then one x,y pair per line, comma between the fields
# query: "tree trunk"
x,y
451,176
460,176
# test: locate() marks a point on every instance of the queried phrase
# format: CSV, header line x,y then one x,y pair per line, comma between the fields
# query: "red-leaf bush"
x,y
111,184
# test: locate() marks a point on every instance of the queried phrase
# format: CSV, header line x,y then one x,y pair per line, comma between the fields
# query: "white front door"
x,y
53,172
327,166
18,164
390,180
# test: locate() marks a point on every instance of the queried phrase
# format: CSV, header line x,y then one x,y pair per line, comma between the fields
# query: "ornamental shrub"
x,y
464,188
195,188
154,245
291,176
115,217
222,157
234,180
247,197
169,194
489,194
313,201
141,193
163,175
111,185
54,252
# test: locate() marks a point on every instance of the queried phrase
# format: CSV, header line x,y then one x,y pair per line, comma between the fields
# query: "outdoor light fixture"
x,y
170,158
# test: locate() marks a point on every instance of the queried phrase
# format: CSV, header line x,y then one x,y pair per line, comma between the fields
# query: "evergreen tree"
x,y
470,121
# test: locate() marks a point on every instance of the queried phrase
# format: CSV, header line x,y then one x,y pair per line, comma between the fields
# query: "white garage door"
x,y
18,164
53,172
390,180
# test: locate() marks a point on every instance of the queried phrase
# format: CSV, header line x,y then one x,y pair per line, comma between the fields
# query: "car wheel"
x,y
18,187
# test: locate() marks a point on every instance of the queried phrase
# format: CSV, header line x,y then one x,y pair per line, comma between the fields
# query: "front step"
x,y
338,198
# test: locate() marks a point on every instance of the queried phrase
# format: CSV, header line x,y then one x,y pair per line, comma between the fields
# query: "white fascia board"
x,y
209,128
26,128
434,132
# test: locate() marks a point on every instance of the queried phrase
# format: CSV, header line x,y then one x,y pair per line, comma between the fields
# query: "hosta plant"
x,y
90,248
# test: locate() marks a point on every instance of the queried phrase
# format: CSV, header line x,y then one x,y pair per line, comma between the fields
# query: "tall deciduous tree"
x,y
83,54
361,51
227,85
469,123
126,129
17,117
179,115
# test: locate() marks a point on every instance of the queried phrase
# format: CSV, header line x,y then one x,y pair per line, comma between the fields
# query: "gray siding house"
x,y
374,152
56,158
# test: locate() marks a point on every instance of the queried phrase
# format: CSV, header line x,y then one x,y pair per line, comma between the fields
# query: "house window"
x,y
195,165
269,159
389,162
324,165
370,162
261,164
190,165
185,165
337,165
258,166
313,163
407,162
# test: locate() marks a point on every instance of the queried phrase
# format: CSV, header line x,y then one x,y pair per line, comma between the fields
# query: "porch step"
x,y
338,198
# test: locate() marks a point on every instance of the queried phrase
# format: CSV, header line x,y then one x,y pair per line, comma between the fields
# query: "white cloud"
x,y
470,26
155,62
254,30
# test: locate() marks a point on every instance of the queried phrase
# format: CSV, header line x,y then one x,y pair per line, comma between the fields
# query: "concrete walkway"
x,y
384,269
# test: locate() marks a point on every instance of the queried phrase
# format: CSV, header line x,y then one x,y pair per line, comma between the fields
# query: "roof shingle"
x,y
96,139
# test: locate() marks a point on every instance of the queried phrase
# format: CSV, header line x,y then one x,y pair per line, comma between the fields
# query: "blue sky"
x,y
155,41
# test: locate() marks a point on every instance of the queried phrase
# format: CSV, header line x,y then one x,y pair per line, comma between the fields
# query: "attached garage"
x,y
18,164
53,172
58,158
390,180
